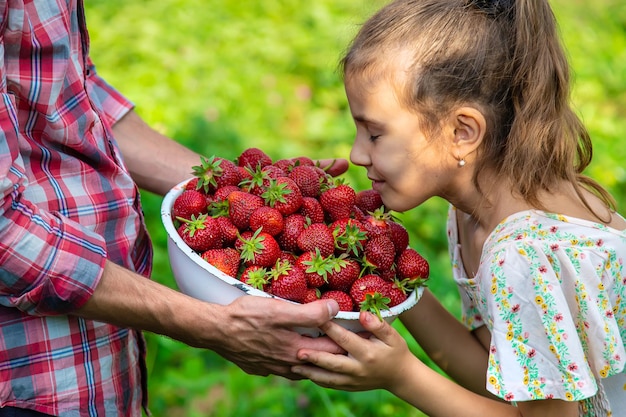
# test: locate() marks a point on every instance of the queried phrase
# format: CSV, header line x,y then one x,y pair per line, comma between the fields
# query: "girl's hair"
x,y
505,57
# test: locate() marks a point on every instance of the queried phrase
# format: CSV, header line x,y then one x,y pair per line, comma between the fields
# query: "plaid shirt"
x,y
68,203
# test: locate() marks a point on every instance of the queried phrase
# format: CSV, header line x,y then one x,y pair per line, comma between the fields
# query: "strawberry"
x,y
228,229
307,179
200,233
240,207
259,179
379,253
376,223
350,236
343,299
259,249
411,265
192,184
312,294
315,267
284,164
189,203
368,200
253,157
267,218
256,276
317,236
396,294
288,281
284,195
368,293
226,260
222,193
312,209
216,172
287,257
294,225
398,235
338,200
343,273
302,160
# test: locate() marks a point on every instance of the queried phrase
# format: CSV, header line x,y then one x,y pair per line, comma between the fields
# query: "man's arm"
x,y
253,332
156,162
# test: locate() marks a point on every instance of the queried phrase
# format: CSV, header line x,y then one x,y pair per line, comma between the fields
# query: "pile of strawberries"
x,y
288,228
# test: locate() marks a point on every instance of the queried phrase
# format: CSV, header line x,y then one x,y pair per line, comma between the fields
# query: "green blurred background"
x,y
220,76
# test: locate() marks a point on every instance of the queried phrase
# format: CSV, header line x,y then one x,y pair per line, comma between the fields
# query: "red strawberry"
x,y
376,223
222,193
317,236
267,218
201,233
411,265
343,299
315,267
307,179
228,229
284,195
395,293
259,249
344,272
216,172
259,178
287,256
350,236
368,293
226,260
192,184
368,200
312,209
288,282
256,276
398,235
379,253
294,225
253,157
338,201
189,203
312,294
240,207
284,164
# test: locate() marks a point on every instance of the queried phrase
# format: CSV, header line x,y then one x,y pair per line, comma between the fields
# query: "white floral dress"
x,y
551,290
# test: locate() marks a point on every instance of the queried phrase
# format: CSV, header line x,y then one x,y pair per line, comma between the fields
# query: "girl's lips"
x,y
377,184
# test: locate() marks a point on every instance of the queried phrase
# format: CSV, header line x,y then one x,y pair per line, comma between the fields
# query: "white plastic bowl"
x,y
199,279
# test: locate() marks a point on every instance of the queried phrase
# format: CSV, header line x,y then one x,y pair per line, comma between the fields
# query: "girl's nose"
x,y
359,154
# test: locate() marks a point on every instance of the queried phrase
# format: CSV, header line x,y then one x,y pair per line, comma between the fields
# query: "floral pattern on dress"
x,y
551,291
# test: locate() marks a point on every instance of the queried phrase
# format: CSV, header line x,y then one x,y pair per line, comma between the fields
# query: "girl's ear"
x,y
469,130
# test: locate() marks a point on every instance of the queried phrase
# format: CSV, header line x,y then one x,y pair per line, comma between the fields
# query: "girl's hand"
x,y
378,359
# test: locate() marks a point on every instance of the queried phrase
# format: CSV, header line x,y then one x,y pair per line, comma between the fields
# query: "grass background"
x,y
220,76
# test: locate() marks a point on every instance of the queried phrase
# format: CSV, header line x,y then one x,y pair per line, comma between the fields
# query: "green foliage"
x,y
220,76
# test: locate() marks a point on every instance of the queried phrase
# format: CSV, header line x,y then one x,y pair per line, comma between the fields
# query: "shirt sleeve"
x,y
111,101
48,264
553,331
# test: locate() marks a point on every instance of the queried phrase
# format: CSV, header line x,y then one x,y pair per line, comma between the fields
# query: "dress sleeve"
x,y
48,264
550,311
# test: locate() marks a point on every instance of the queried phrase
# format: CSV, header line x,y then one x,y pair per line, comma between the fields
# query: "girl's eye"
x,y
374,137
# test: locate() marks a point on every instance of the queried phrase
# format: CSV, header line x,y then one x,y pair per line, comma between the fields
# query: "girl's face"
x,y
405,165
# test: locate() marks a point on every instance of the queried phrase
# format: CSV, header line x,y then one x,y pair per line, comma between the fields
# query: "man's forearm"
x,y
155,161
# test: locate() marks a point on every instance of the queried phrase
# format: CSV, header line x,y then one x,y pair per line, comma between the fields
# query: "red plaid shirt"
x,y
68,203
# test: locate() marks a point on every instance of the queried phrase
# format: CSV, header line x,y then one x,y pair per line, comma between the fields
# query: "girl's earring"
x,y
461,162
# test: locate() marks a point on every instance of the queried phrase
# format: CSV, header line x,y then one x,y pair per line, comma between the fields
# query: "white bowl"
x,y
199,279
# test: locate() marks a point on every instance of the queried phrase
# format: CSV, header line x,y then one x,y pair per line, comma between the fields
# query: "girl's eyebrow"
x,y
366,120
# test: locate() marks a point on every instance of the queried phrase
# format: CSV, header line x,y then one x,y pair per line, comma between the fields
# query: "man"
x,y
74,252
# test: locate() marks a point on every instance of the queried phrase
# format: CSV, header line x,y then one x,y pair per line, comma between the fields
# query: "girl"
x,y
469,101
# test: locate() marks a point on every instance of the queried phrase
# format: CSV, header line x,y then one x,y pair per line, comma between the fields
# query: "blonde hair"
x,y
503,55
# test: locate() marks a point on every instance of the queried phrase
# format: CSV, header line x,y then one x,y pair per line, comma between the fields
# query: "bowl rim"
x,y
172,233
